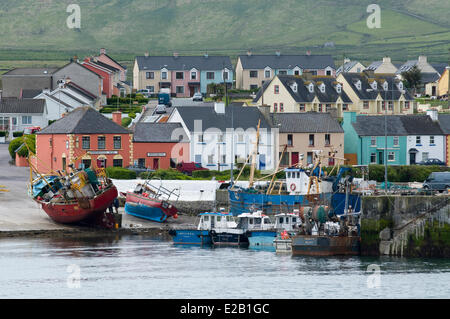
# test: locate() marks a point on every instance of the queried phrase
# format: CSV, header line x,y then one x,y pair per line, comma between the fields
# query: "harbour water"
x,y
143,267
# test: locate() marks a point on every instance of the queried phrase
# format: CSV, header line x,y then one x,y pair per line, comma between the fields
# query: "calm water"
x,y
139,267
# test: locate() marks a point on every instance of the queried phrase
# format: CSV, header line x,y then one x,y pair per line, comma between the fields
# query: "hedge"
x,y
30,140
165,174
120,173
2,133
122,108
404,173
17,134
126,121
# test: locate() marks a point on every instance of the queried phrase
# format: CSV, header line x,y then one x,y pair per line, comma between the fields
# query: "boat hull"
x,y
303,245
261,238
149,208
283,245
229,239
191,237
75,212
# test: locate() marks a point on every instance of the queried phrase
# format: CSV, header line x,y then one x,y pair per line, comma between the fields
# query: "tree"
x,y
412,78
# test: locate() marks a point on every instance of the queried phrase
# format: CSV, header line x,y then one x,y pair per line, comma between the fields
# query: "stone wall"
x,y
415,226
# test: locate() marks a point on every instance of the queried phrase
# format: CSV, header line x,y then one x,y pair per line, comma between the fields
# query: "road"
x,y
19,213
150,108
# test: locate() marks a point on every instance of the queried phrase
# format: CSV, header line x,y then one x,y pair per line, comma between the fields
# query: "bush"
x,y
165,174
2,133
30,140
120,173
132,115
404,173
17,134
126,121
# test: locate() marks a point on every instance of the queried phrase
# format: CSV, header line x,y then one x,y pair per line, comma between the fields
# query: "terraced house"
x,y
183,75
252,71
290,93
376,93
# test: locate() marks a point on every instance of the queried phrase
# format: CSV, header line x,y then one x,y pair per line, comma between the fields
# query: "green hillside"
x,y
36,29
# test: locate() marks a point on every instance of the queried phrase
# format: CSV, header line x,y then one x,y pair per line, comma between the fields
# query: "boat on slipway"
x,y
152,203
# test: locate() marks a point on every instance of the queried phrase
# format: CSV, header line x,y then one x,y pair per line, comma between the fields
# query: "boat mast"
x,y
255,153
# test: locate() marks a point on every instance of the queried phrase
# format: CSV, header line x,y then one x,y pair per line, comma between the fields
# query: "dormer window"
x,y
374,85
311,88
385,86
322,88
338,88
400,85
358,84
294,87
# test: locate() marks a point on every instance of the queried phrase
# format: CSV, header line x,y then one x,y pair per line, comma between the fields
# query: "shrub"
x,y
2,133
165,174
132,115
30,140
120,173
126,121
404,173
17,134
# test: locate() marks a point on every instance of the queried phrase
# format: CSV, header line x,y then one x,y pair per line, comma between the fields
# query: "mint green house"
x,y
364,139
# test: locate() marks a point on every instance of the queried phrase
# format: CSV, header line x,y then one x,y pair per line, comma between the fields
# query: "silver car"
x,y
160,109
197,97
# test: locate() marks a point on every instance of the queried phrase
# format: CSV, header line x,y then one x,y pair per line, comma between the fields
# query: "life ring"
x,y
293,187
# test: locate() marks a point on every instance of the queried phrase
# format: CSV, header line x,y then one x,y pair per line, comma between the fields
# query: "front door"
x,y
294,158
262,161
156,164
380,157
412,158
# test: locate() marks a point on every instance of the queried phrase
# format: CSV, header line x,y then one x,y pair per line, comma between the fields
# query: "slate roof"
x,y
368,93
439,67
30,93
397,125
159,133
104,65
30,72
244,117
444,123
309,122
27,106
84,120
184,62
347,67
286,61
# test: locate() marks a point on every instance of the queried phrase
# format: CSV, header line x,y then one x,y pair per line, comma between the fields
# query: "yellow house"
x,y
373,93
443,84
291,94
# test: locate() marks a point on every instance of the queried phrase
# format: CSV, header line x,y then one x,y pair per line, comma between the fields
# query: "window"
x,y
383,105
164,75
241,138
395,140
86,142
151,89
275,107
327,139
281,107
344,107
180,89
101,141
328,108
200,138
320,107
198,158
193,75
224,159
253,74
406,104
225,75
390,105
210,75
276,89
86,163
141,162
253,86
431,140
418,140
391,156
150,75
282,72
284,160
218,218
267,74
366,105
220,138
309,158
179,75
311,139
297,72
328,72
117,162
373,158
117,142
290,140
373,141
302,107
425,156
210,159
26,119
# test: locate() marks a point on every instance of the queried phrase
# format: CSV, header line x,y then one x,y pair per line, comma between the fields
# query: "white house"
x,y
220,135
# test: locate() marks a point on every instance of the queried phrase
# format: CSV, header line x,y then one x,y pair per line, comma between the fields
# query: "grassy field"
x,y
36,30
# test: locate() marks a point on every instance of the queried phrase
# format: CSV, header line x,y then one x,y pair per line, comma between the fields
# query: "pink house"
x,y
104,58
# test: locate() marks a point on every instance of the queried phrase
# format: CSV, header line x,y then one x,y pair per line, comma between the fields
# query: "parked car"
x,y
139,169
31,130
188,168
432,161
439,181
197,97
160,109
144,92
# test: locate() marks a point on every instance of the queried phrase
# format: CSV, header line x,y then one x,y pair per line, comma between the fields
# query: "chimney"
x,y
175,55
433,114
308,52
278,53
102,51
206,55
146,54
346,60
307,75
422,59
249,53
117,117
386,59
219,108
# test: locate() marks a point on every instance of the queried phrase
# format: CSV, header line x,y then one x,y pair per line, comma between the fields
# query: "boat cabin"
x,y
254,221
287,221
215,220
298,182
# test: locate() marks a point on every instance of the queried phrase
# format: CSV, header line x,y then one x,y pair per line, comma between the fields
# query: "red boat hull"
x,y
75,212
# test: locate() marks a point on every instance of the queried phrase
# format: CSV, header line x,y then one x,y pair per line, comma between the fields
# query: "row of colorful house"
x,y
217,136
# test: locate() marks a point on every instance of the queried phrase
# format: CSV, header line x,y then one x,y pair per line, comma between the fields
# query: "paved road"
x,y
19,213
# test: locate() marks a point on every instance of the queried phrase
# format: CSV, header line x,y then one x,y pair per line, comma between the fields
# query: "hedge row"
x,y
124,100
120,173
165,174
122,108
405,173
2,133
17,134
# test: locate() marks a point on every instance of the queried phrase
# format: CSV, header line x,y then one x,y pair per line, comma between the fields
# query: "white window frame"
x,y
391,156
